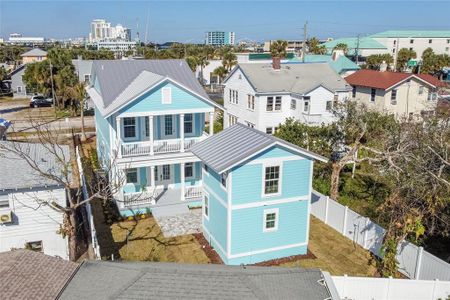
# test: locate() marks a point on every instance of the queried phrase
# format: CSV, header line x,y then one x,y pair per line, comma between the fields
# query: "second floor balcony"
x,y
153,135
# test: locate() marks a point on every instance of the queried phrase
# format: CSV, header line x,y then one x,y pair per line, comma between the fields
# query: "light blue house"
x,y
256,200
148,114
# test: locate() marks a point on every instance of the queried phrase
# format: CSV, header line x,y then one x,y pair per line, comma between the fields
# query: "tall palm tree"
x,y
229,60
315,47
341,46
220,72
278,49
202,61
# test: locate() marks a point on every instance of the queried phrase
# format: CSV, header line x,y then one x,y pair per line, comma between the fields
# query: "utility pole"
x,y
304,41
357,49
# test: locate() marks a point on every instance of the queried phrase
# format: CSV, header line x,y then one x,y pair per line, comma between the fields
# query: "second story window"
x,y
394,97
430,41
306,104
411,41
278,103
273,105
431,95
329,105
189,170
132,176
269,105
234,96
129,128
293,104
251,102
373,93
166,95
272,180
188,123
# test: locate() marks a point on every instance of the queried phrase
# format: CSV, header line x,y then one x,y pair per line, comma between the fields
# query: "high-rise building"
x,y
219,38
103,31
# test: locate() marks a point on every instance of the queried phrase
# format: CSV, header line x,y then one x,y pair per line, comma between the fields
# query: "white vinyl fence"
x,y
94,241
367,288
414,262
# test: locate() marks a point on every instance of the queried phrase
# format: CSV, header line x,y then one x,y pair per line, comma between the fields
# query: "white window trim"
x,y
193,125
280,187
138,181
252,102
206,195
193,171
166,95
277,217
133,138
274,104
294,101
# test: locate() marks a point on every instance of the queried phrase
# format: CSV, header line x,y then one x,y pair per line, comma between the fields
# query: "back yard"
x,y
333,252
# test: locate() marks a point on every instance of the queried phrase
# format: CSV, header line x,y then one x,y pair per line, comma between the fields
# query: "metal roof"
x,y
34,52
291,77
341,64
352,43
16,172
413,34
116,76
237,143
134,280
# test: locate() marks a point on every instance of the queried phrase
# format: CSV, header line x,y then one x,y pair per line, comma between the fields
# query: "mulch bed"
x,y
209,251
279,261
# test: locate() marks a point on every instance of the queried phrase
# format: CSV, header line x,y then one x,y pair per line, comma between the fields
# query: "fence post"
x,y
344,226
436,282
327,201
366,233
344,288
418,263
388,287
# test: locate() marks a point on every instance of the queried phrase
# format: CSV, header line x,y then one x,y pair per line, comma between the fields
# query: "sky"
x,y
187,21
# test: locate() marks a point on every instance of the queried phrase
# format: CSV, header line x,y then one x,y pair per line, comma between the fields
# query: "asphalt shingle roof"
x,y
126,280
26,274
34,52
16,172
292,78
117,76
237,143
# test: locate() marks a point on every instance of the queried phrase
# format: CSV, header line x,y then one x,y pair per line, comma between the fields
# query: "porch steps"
x,y
170,210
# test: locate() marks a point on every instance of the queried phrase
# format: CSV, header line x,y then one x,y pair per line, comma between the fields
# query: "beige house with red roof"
x,y
402,94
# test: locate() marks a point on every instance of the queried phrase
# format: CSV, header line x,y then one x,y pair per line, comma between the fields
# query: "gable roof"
x,y
26,274
138,280
352,43
127,78
34,52
291,78
386,80
20,174
237,143
339,65
413,34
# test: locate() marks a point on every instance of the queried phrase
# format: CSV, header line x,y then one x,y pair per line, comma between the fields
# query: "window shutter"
x,y
166,95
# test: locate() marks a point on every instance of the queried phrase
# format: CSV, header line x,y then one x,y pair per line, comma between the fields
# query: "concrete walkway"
x,y
182,224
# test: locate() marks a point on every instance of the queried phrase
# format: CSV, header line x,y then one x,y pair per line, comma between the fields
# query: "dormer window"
x,y
166,95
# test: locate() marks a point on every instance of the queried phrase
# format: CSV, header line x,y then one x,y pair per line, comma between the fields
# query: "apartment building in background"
x,y
220,38
101,30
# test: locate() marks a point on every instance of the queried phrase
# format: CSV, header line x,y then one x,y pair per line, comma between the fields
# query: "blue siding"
x,y
181,99
248,181
217,223
212,181
247,227
274,152
301,250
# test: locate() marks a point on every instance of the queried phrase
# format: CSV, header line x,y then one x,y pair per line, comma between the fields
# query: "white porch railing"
x,y
141,198
159,146
193,192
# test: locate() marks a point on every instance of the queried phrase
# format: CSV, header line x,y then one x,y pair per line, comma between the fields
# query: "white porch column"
x,y
182,133
211,123
183,188
150,128
152,181
119,138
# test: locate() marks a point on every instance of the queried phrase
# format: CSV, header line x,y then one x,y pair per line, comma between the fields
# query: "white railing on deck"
x,y
159,146
141,198
193,192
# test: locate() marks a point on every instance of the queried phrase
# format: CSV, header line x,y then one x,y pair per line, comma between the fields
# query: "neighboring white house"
x,y
25,219
263,96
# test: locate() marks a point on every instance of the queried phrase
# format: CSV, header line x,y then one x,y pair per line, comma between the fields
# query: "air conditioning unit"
x,y
5,217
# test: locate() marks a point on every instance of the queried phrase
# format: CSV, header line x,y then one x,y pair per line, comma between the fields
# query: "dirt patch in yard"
x,y
209,251
285,260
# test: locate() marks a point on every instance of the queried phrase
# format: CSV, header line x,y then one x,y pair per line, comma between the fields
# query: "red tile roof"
x,y
31,275
384,80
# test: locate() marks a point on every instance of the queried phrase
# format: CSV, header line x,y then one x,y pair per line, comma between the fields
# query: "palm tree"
x,y
315,47
341,46
78,92
202,61
229,60
278,48
220,72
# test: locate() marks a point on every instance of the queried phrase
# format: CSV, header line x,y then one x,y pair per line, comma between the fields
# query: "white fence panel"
x,y
407,258
318,206
336,213
374,240
433,268
355,227
366,288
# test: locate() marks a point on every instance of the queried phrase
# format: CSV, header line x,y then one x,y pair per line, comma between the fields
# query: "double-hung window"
x,y
373,93
206,206
329,105
132,176
188,123
4,203
269,105
306,104
394,97
272,180
189,170
269,130
251,102
232,119
278,103
293,104
129,128
270,220
273,105
421,90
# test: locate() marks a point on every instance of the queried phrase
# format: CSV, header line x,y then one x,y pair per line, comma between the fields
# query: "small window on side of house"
x,y
271,220
430,41
269,130
272,180
394,97
166,95
269,105
4,203
34,246
293,104
206,206
329,105
189,170
421,90
132,176
306,106
353,91
373,93
278,103
411,41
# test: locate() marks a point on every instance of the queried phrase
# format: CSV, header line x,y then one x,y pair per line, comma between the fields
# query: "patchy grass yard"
x,y
147,243
335,253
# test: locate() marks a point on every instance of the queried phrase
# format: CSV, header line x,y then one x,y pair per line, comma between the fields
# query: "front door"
x,y
168,130
163,176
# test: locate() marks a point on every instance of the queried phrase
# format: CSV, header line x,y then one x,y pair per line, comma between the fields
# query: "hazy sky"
x,y
187,21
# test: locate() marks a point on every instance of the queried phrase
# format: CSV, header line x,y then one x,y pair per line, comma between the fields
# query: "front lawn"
x,y
147,243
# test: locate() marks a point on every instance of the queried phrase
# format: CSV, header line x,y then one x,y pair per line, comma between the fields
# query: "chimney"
x,y
383,66
276,63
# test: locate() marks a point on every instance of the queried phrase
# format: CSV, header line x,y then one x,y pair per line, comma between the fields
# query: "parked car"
x,y
40,101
